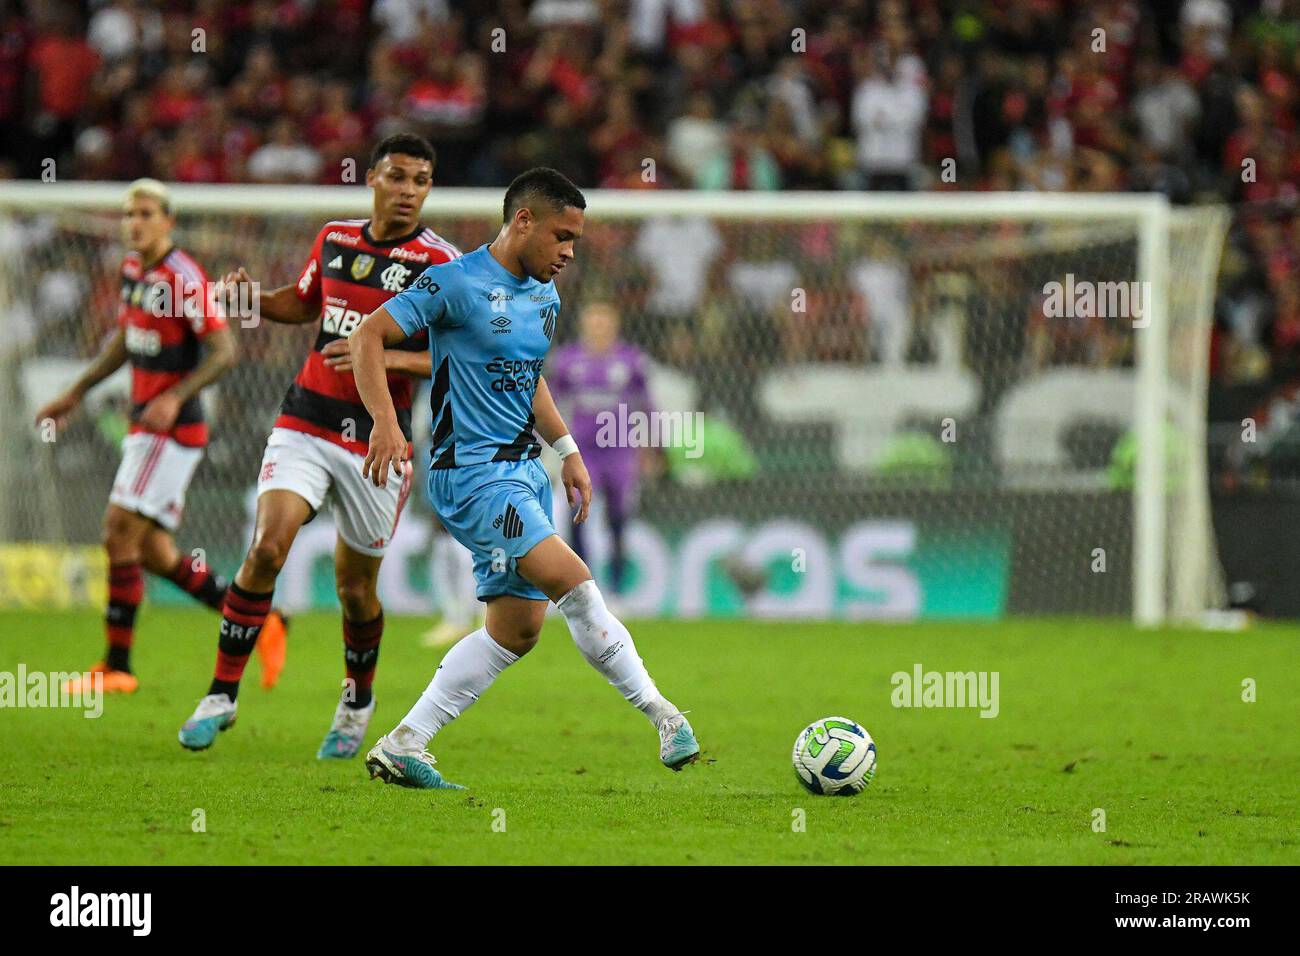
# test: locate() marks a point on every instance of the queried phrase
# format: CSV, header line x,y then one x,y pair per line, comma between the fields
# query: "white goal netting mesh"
x,y
900,418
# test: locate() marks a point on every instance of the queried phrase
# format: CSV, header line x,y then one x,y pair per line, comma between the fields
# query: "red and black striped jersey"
x,y
165,310
350,275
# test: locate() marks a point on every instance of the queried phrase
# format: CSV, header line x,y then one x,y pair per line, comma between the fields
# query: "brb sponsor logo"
x,y
514,375
76,909
340,321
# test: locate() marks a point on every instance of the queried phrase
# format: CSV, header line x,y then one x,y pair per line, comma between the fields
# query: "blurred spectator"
x,y
649,19
1197,99
285,158
63,65
1166,108
695,138
122,28
679,251
888,116
745,164
401,21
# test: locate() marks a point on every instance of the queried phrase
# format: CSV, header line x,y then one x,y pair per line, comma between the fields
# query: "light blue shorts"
x,y
499,510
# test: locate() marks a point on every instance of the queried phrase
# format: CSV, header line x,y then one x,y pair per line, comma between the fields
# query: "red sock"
x,y
360,654
241,621
125,591
201,585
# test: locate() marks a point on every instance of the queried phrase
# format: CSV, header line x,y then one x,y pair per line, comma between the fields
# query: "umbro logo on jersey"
x,y
336,263
510,524
501,323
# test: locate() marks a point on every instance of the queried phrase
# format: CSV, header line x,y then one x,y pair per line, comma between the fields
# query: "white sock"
x,y
452,570
608,647
466,672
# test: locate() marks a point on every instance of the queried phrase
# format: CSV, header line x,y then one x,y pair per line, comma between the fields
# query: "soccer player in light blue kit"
x,y
491,316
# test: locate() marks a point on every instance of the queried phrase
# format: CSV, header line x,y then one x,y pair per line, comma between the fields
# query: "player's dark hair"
x,y
407,144
541,184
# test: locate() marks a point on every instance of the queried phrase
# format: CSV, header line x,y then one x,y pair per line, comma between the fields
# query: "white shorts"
x,y
322,472
153,477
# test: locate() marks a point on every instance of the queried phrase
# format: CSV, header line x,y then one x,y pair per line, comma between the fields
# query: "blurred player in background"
x,y
166,317
314,454
490,316
590,379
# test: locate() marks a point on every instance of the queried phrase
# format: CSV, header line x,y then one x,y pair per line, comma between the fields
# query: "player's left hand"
x,y
577,485
338,356
160,414
387,450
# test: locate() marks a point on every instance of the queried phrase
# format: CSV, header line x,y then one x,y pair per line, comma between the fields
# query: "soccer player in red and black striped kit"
x,y
314,454
166,317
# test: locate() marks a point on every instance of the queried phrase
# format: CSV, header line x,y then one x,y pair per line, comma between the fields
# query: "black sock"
x,y
118,658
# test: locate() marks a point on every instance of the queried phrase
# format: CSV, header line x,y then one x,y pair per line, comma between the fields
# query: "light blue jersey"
x,y
488,334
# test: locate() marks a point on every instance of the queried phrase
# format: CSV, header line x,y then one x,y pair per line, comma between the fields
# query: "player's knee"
x,y
120,537
518,640
266,557
156,555
358,598
518,637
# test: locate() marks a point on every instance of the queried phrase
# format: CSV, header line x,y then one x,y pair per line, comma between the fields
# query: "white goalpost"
x,y
948,444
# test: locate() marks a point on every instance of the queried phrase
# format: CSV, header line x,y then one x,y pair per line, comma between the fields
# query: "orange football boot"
x,y
272,647
115,682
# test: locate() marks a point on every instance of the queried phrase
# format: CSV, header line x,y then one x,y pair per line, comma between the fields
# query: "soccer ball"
x,y
835,755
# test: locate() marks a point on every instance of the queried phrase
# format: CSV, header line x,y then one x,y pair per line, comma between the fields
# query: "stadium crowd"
x,y
1195,98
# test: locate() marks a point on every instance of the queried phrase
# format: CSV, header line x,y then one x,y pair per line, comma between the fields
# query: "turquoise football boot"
x,y
215,713
347,733
412,769
677,744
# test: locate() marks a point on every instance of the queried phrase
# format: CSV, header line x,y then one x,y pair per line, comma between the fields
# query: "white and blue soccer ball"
x,y
835,756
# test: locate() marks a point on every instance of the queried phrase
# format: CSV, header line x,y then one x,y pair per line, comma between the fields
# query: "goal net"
x,y
873,406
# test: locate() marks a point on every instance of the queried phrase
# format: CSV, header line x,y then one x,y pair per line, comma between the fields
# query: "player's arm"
x,y
388,446
338,356
550,425
110,358
219,358
283,305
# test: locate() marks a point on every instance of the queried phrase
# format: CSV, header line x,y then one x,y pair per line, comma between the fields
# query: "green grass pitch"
x,y
1149,727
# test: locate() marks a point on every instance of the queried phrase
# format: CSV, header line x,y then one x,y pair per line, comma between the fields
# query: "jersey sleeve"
x,y
433,301
309,280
